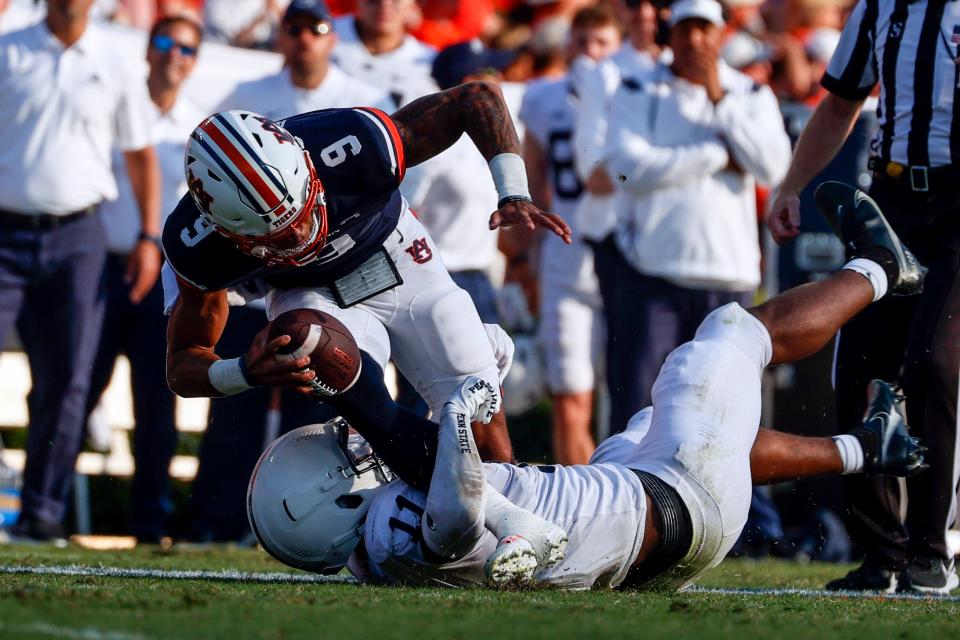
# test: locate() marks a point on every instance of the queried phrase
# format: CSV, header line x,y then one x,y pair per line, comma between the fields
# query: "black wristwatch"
x,y
149,238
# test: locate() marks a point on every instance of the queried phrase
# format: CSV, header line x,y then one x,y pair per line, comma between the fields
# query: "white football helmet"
x,y
310,492
255,183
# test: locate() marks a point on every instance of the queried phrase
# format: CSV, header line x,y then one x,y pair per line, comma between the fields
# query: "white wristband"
x,y
227,377
509,175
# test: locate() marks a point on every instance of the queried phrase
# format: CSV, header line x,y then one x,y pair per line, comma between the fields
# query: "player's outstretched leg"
x,y
802,320
880,445
857,221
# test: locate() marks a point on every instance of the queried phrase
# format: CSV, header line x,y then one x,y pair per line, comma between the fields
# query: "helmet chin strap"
x,y
291,257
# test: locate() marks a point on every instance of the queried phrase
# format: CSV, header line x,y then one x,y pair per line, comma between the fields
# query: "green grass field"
x,y
128,608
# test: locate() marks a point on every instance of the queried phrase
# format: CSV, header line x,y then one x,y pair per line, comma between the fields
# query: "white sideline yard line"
x,y
174,574
821,593
86,633
309,578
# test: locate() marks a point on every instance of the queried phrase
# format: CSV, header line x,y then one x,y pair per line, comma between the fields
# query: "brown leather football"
x,y
334,355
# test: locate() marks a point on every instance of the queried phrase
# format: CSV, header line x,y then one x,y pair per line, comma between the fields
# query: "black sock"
x,y
406,442
869,444
885,259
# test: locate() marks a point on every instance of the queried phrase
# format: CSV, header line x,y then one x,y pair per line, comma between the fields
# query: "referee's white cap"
x,y
709,10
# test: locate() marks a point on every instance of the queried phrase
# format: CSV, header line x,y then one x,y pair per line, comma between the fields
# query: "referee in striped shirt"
x,y
912,49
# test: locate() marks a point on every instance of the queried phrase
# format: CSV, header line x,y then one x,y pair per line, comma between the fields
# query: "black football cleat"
x,y
859,223
929,575
888,448
869,576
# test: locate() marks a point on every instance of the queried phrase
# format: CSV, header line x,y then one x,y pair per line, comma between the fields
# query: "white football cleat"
x,y
519,558
550,545
513,562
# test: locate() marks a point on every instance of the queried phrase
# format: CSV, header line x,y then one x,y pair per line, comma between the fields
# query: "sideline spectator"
x,y
375,47
571,323
65,101
453,196
687,142
139,328
308,80
243,23
595,213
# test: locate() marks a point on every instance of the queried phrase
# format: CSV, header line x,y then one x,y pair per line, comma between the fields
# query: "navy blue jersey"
x,y
358,157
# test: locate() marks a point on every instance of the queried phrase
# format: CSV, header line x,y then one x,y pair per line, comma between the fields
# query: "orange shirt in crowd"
x,y
447,22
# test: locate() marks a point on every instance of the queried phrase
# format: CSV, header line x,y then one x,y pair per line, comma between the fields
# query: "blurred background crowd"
x,y
667,218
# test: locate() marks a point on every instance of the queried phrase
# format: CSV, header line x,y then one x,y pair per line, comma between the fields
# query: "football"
x,y
334,355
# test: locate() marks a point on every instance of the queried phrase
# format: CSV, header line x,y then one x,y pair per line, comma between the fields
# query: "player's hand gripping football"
x,y
524,213
265,369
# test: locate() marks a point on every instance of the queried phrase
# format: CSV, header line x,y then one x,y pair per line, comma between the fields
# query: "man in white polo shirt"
x,y
687,142
308,80
138,328
65,100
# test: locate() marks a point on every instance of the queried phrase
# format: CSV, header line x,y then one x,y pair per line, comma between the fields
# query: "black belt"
x,y
916,178
676,531
40,221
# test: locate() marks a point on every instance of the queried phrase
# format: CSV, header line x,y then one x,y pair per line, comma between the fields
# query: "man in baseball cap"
x,y
315,9
470,59
706,10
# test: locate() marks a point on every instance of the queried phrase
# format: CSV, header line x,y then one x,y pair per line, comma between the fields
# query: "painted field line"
x,y
174,574
821,593
35,629
309,578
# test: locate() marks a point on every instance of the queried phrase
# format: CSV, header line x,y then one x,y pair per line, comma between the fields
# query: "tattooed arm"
x,y
433,123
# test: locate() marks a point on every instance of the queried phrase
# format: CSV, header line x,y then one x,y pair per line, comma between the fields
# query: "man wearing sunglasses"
x,y
308,80
136,326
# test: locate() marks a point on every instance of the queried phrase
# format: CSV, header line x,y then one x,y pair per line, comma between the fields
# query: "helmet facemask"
x,y
288,246
310,492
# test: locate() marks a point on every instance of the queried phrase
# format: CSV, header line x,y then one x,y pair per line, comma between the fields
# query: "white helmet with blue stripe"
x,y
255,183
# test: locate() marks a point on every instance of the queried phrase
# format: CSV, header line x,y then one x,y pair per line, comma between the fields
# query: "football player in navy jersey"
x,y
307,212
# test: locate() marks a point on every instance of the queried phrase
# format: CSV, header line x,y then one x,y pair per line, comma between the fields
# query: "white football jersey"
x,y
548,112
404,72
601,506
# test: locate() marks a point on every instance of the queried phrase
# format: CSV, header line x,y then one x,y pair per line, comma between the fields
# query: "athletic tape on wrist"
x,y
227,377
510,177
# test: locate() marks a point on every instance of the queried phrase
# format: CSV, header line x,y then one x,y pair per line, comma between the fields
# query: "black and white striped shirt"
x,y
910,48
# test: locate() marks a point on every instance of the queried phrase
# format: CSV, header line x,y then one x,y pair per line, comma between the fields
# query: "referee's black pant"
x,y
914,340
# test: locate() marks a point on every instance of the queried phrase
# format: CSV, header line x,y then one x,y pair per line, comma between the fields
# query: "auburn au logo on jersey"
x,y
420,251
